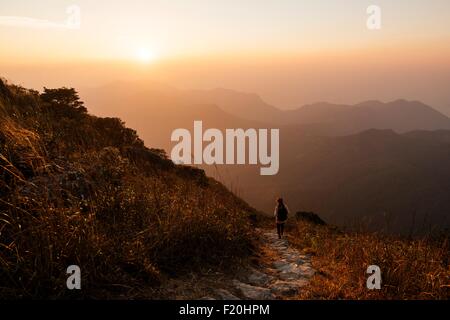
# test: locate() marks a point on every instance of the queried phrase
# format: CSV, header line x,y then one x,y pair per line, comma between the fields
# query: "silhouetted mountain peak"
x,y
370,103
379,133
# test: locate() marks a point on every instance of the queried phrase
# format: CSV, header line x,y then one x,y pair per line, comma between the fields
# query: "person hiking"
x,y
281,213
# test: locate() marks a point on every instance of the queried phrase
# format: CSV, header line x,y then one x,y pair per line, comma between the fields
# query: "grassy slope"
x,y
77,189
410,268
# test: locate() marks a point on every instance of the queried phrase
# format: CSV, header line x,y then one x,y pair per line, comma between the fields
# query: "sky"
x,y
289,51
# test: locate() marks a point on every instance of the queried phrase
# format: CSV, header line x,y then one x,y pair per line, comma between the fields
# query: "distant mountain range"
x,y
379,178
323,118
400,115
384,165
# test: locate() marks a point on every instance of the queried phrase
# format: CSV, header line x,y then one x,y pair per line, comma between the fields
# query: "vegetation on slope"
x,y
411,268
79,189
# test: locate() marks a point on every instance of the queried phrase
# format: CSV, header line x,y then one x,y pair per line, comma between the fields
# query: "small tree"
x,y
63,97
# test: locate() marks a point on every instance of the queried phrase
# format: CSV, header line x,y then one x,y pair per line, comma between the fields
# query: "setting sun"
x,y
145,55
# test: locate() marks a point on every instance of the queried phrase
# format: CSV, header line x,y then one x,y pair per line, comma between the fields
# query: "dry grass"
x,y
410,268
76,189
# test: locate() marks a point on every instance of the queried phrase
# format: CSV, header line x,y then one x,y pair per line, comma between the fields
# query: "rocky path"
x,y
282,276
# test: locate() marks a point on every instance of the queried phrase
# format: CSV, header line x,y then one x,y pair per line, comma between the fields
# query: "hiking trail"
x,y
281,276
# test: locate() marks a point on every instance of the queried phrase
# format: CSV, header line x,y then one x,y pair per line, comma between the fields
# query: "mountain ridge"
x,y
328,118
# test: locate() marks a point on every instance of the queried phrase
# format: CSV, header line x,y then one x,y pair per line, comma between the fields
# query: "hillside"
x,y
79,189
412,268
378,178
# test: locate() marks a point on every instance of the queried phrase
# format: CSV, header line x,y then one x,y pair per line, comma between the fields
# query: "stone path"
x,y
281,278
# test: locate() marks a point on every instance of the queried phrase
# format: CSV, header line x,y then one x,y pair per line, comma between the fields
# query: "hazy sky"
x,y
290,51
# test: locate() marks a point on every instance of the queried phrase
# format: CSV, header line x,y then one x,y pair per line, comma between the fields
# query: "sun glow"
x,y
145,55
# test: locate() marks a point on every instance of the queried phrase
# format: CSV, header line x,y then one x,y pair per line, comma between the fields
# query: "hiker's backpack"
x,y
282,213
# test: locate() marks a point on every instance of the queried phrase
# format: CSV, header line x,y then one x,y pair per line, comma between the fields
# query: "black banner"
x,y
223,309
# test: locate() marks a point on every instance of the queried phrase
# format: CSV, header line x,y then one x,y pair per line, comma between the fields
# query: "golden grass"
x,y
77,189
410,268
